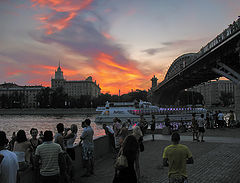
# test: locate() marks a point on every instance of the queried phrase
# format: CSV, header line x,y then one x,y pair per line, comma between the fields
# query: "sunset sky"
x,y
120,43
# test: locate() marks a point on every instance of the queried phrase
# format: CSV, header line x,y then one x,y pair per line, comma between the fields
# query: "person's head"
x,y
104,126
3,139
87,122
60,127
202,115
119,120
124,125
47,136
153,117
74,128
34,132
21,136
137,132
193,114
175,137
115,119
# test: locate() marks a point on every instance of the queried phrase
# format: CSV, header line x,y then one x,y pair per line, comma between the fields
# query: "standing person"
x,y
231,119
220,119
176,156
194,128
117,129
153,126
12,141
34,141
48,153
216,119
69,139
123,133
143,124
22,148
129,150
88,147
201,126
137,133
58,138
110,133
9,162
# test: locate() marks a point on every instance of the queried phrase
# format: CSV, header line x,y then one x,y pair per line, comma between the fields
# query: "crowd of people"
x,y
49,157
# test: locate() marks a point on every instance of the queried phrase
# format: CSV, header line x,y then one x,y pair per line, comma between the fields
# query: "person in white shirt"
x,y
9,165
201,126
220,119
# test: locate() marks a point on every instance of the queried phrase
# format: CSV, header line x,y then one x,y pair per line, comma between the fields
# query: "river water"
x,y
13,123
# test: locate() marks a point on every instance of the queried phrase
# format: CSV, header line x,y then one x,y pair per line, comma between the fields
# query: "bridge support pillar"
x,y
237,102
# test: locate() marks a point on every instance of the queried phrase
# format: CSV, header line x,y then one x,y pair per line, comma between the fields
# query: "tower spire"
x,y
59,63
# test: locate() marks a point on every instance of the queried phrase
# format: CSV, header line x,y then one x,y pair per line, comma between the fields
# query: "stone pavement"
x,y
215,161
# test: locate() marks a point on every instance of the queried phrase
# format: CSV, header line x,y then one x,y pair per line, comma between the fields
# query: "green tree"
x,y
43,98
189,97
58,98
226,98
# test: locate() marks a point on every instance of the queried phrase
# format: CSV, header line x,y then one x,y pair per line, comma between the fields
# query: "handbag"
x,y
121,162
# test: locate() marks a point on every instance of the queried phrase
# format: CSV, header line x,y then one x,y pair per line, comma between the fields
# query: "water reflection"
x,y
13,123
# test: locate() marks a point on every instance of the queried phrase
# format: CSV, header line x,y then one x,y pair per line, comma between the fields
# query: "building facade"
x,y
20,96
211,90
75,89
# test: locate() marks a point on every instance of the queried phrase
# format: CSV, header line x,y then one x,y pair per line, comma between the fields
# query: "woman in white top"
x,y
201,126
69,141
22,148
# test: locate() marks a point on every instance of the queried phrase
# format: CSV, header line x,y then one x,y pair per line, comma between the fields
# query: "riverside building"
x,y
75,89
211,90
18,96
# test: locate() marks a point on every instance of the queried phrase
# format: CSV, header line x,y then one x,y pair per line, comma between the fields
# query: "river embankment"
x,y
49,111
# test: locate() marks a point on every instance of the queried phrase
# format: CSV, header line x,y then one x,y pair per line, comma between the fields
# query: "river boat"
x,y
133,110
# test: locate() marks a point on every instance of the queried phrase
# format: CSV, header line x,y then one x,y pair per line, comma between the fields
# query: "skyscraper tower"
x,y
59,80
59,73
154,81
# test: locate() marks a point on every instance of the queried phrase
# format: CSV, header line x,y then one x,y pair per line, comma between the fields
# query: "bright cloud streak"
x,y
53,22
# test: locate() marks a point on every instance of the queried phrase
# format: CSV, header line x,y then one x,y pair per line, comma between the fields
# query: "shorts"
x,y
87,153
201,129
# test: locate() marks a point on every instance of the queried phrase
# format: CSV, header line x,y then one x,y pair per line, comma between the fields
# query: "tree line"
x,y
57,98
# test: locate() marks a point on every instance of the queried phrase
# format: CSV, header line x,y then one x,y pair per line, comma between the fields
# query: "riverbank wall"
x,y
101,148
51,111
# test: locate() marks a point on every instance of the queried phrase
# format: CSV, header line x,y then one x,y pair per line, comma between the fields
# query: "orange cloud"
x,y
53,26
107,36
70,7
114,76
14,73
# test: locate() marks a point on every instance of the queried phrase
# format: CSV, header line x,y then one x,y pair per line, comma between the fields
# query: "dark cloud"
x,y
172,45
84,38
154,51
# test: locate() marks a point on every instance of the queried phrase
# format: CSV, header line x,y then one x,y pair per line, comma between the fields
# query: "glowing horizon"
x,y
121,44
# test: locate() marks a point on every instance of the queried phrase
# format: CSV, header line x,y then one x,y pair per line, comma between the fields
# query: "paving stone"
x,y
213,162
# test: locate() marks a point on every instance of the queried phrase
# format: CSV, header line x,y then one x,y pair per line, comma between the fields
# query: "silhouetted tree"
x,y
226,98
43,98
59,98
189,97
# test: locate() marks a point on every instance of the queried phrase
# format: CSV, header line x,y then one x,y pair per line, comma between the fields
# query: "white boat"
x,y
133,110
